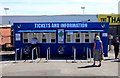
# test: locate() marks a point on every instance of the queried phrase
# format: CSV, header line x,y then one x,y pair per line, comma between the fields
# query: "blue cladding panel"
x,y
55,25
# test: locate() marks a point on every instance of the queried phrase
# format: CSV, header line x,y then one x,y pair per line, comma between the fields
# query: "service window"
x,y
87,37
53,37
33,35
44,38
25,37
77,40
68,38
96,35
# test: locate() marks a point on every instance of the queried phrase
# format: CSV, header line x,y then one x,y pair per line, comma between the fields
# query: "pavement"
x,y
40,67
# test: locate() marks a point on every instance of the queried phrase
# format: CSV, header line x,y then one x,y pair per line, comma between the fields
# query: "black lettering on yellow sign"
x,y
111,19
118,19
103,19
108,17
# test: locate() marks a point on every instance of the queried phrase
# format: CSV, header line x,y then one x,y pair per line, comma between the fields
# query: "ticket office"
x,y
80,36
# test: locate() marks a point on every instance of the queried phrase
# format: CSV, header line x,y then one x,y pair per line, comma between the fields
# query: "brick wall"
x,y
5,35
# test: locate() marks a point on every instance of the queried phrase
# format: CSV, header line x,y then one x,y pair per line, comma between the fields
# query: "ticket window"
x,y
73,37
31,36
44,37
87,37
25,37
96,34
77,37
48,37
90,37
70,37
36,35
53,37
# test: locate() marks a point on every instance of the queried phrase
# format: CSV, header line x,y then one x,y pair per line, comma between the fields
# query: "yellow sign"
x,y
113,19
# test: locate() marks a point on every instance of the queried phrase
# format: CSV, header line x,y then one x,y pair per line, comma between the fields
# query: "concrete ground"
x,y
60,67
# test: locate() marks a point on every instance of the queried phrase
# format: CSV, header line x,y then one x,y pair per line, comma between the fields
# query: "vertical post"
x,y
83,8
39,51
49,52
90,54
87,53
36,52
47,55
6,10
32,54
16,54
21,54
74,54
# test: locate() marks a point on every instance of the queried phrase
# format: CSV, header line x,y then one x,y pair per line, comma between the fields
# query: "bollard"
x,y
36,52
47,55
32,54
87,53
39,52
90,54
16,54
74,56
21,54
49,52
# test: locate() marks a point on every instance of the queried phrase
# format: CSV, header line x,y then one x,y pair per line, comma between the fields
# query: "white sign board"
x,y
104,34
60,35
17,37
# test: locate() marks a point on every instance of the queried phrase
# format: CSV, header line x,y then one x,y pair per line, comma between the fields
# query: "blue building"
x,y
67,35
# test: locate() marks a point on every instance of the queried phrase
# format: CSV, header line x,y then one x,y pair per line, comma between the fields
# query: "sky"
x,y
58,7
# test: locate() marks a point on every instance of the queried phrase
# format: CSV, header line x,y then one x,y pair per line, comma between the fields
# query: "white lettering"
x,y
42,25
65,25
55,26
